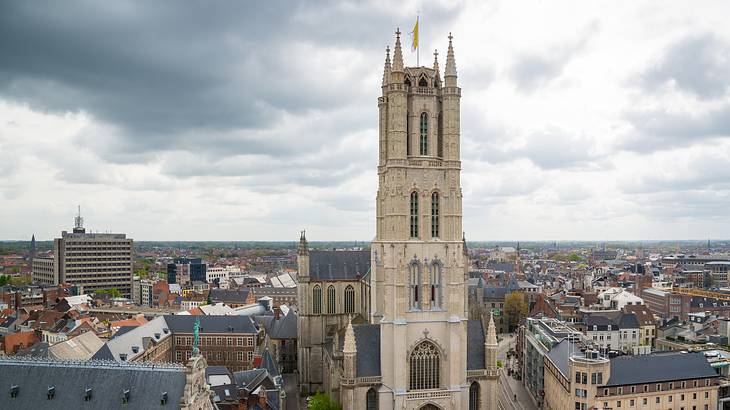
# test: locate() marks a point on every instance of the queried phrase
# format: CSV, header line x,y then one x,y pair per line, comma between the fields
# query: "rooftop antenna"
x,y
79,222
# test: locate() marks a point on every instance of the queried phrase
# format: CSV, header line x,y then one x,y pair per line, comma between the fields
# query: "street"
x,y
523,397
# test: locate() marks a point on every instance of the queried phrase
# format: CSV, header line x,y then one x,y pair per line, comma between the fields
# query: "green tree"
x,y
515,308
321,401
574,257
4,280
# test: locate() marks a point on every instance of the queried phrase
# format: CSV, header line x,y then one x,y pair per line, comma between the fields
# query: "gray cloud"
x,y
534,70
697,64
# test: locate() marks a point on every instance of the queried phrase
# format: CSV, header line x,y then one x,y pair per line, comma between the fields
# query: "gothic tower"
x,y
419,264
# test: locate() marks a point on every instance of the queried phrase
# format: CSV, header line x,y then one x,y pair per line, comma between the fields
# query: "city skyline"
x,y
580,122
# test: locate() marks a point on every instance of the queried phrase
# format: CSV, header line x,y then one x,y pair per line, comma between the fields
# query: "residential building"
x,y
617,298
647,323
576,379
615,331
224,341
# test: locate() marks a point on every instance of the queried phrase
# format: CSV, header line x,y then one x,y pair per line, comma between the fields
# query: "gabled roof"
x,y
338,265
659,367
228,295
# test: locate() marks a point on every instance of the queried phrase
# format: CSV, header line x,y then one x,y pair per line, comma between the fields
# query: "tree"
x,y
708,280
321,401
515,308
574,257
4,280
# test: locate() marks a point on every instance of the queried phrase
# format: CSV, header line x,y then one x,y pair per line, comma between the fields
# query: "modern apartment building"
x,y
184,271
91,261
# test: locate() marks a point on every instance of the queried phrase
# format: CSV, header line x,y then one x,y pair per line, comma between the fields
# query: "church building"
x,y
414,346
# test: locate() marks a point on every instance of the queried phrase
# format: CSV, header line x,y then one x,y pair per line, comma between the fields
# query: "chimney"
x,y
277,312
262,399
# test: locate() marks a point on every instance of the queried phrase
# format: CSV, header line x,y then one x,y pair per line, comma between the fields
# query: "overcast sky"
x,y
252,120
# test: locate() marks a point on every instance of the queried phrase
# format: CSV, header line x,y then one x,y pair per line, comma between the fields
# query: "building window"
x,y
424,134
317,300
331,299
414,214
371,400
415,284
435,215
435,288
249,356
349,299
239,341
474,396
239,356
425,364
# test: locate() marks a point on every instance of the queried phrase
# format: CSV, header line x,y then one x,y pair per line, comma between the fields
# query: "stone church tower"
x,y
404,341
419,260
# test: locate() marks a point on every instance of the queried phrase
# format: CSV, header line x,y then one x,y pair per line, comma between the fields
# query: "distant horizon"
x,y
500,241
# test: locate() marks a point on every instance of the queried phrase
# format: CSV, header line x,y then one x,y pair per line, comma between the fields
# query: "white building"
x,y
617,298
616,331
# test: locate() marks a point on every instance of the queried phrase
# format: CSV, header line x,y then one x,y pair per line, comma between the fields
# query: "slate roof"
x,y
560,353
367,342
475,343
617,320
228,295
284,328
338,265
37,350
495,292
124,344
501,266
659,367
210,324
107,381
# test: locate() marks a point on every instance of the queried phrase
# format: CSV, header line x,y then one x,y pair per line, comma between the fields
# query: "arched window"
x,y
331,299
422,82
474,396
414,214
440,144
435,285
425,365
424,134
435,215
349,299
414,284
317,300
371,400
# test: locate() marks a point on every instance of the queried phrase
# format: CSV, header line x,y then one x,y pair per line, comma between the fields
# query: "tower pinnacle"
x,y
397,53
491,331
450,65
303,245
436,61
350,346
386,69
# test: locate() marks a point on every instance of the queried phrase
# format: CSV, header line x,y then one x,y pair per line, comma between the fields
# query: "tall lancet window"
x,y
414,284
331,299
440,142
425,366
414,214
317,300
435,215
349,299
408,134
435,285
424,134
474,396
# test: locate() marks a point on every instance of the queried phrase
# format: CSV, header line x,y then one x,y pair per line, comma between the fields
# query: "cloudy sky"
x,y
253,120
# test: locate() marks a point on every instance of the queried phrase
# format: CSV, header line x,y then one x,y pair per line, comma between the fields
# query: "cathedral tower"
x,y
419,261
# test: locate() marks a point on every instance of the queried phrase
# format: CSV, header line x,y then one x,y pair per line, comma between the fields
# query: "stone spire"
x,y
450,72
397,53
491,332
386,70
463,242
303,246
349,346
436,61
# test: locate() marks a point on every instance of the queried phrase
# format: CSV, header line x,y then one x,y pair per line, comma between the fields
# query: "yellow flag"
x,y
414,46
